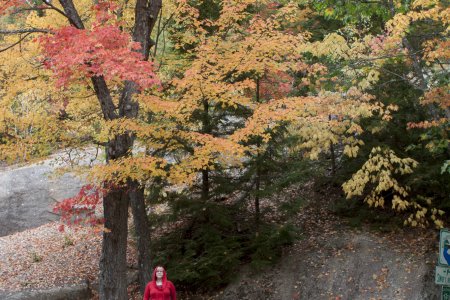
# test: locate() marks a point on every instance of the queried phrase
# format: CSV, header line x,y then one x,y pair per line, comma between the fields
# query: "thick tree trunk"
x,y
142,228
113,263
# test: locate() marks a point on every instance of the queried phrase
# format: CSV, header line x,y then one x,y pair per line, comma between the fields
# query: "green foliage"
x,y
68,241
370,15
266,247
35,257
205,251
358,214
428,147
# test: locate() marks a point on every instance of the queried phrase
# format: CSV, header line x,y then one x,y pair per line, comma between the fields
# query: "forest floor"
x,y
331,260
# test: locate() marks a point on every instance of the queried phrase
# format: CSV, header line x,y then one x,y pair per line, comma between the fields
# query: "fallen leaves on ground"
x,y
43,257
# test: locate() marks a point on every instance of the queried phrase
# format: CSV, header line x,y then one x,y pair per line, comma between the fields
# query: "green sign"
x,y
445,295
442,275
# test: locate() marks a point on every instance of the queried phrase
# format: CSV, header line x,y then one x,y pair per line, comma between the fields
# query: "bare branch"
x,y
39,8
160,30
25,30
16,43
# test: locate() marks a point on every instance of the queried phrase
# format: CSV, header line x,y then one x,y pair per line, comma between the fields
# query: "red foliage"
x,y
377,43
105,50
80,209
273,5
7,4
104,11
275,85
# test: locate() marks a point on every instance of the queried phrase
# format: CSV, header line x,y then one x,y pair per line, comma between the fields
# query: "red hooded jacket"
x,y
164,292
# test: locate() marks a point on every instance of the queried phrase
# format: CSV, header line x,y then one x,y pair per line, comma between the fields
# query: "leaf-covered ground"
x,y
43,258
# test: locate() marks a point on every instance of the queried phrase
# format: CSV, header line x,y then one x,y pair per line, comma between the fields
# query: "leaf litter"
x,y
43,258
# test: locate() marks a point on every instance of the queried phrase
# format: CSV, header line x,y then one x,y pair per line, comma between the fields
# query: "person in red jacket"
x,y
160,288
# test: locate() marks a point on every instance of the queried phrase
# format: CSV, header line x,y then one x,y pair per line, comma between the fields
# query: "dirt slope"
x,y
334,261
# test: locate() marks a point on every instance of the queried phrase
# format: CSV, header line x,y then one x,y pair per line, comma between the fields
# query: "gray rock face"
x,y
27,196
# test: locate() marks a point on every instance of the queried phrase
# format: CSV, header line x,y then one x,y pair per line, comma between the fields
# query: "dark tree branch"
x,y
16,43
155,47
100,87
161,30
51,6
35,8
71,13
146,13
25,30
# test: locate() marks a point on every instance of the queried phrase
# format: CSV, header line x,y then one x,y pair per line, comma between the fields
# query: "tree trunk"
x,y
258,172
206,128
333,156
146,13
113,263
257,207
142,228
333,160
205,185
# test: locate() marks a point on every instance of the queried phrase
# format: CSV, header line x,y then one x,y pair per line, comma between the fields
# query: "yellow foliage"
x,y
333,45
423,3
118,172
378,175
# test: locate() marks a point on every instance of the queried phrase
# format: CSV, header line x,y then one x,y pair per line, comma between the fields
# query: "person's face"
x,y
159,273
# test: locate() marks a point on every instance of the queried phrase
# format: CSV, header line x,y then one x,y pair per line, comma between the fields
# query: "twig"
x,y
16,43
